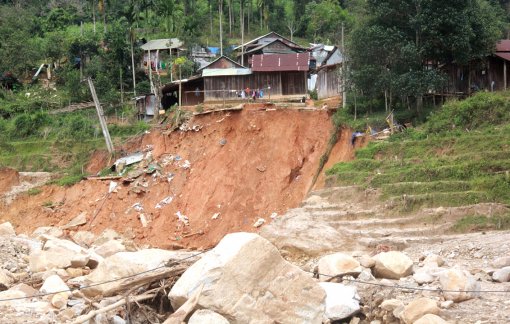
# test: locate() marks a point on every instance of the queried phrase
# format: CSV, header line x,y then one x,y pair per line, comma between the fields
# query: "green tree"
x,y
402,43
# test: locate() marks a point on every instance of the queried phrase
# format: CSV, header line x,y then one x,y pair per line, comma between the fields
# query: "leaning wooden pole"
x,y
100,115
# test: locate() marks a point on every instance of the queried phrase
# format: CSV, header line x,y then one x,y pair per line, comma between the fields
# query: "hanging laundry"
x,y
253,95
261,94
243,95
163,65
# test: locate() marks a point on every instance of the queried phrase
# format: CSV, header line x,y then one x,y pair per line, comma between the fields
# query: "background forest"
x,y
388,44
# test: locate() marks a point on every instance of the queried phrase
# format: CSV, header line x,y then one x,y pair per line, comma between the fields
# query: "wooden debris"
x,y
183,311
90,315
104,178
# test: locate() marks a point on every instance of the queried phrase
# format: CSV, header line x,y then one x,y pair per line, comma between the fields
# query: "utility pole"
x,y
100,115
344,93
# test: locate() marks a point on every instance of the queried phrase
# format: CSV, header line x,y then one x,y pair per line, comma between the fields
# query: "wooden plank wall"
x,y
483,73
329,82
255,81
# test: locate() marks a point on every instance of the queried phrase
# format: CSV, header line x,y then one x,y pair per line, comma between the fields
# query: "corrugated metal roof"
x,y
260,37
504,45
219,58
281,62
224,72
505,56
160,44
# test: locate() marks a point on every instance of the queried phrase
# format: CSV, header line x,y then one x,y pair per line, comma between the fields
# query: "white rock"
x,y
77,221
61,254
248,282
4,278
392,265
54,284
259,222
107,235
58,301
366,275
502,275
454,279
391,304
338,265
51,231
125,264
84,237
419,308
204,316
431,319
447,304
341,301
423,277
367,261
110,248
502,262
7,229
434,258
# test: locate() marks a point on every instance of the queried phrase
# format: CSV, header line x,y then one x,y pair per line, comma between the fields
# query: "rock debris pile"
x,y
54,278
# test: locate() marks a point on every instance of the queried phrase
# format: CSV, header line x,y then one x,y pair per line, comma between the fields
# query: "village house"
x,y
488,73
274,69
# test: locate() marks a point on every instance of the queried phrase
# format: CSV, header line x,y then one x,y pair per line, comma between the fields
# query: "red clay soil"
x,y
266,166
9,177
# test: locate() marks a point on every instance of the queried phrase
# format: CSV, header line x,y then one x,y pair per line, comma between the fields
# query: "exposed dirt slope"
x,y
266,166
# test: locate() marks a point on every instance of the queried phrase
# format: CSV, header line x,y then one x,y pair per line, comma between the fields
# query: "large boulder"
x,y
341,301
392,265
110,248
204,316
338,265
61,254
247,281
431,319
419,308
462,283
126,264
7,229
107,235
502,262
301,233
502,275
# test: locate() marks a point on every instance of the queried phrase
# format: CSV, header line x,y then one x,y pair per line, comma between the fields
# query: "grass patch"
x,y
48,203
482,222
33,192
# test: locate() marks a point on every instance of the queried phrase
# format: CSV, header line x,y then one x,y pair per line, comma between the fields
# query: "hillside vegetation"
x,y
459,156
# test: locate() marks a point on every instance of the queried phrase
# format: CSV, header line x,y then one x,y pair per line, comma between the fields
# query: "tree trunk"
x,y
230,16
210,11
133,67
261,18
121,87
104,18
221,27
241,22
249,5
94,15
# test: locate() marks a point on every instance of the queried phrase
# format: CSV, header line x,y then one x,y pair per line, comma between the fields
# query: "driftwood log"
x,y
183,311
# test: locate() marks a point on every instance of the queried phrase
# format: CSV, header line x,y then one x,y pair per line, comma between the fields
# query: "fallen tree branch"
x,y
183,311
90,315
